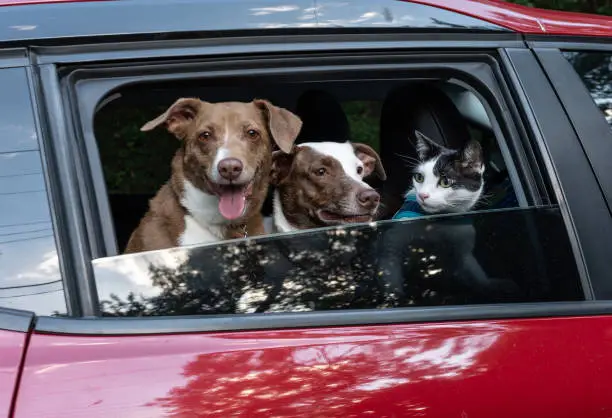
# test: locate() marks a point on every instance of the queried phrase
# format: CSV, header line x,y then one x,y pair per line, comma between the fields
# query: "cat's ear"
x,y
472,156
425,146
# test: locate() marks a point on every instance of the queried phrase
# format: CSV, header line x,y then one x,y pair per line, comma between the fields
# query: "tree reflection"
x,y
322,271
347,378
451,260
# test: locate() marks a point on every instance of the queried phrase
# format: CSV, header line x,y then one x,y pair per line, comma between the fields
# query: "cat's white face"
x,y
447,180
436,194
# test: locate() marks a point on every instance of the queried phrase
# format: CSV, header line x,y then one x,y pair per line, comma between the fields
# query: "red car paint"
x,y
12,345
528,19
440,370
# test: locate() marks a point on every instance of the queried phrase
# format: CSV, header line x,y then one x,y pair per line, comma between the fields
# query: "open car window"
x,y
505,248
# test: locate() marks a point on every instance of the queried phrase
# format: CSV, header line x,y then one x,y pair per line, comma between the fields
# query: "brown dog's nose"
x,y
230,168
368,198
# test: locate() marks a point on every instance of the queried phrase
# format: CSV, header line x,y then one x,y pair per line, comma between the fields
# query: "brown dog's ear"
x,y
370,159
281,166
176,118
283,125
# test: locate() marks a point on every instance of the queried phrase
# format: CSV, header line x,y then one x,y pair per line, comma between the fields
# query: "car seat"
x,y
323,118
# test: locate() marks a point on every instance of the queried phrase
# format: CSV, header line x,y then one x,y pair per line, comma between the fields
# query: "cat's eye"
x,y
444,182
320,172
419,178
203,136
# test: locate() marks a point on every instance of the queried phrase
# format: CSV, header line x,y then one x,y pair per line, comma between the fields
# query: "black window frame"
x,y
594,133
81,219
590,127
565,146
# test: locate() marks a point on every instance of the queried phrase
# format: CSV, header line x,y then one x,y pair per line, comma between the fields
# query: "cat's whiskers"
x,y
411,161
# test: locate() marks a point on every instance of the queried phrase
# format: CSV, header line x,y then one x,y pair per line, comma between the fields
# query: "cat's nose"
x,y
423,196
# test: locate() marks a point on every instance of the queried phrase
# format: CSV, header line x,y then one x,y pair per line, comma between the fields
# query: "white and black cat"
x,y
419,257
445,180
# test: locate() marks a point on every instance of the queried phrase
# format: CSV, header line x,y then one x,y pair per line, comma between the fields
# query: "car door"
x,y
159,334
14,333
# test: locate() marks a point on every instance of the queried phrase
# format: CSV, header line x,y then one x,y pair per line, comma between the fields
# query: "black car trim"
x,y
570,42
14,320
269,43
69,287
223,323
65,182
594,132
13,57
584,208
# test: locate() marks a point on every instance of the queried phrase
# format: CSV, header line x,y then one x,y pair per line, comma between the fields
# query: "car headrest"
x,y
411,107
322,118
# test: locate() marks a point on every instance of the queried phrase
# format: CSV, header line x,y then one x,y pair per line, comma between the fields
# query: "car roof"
x,y
528,20
52,22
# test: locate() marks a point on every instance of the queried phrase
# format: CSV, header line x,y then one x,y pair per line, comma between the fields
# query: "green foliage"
x,y
133,161
363,118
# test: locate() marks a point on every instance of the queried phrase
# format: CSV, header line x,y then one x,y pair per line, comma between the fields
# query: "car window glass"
x,y
595,70
29,268
444,260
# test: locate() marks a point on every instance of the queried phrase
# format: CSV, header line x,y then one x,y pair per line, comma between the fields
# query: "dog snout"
x,y
230,168
368,198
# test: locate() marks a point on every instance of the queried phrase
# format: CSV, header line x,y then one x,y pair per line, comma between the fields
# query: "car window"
x,y
446,260
595,70
494,250
29,268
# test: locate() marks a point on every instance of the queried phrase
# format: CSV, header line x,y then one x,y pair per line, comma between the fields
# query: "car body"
x,y
541,359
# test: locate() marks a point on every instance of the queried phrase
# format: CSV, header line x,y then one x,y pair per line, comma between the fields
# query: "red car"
x,y
505,311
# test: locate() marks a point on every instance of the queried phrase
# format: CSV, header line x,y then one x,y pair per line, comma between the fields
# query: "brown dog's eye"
x,y
204,136
360,170
321,172
252,133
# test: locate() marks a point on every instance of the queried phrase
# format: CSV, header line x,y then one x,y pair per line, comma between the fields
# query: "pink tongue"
x,y
231,204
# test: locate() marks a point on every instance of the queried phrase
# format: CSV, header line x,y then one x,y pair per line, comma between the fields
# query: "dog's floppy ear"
x,y
283,125
281,166
371,160
176,118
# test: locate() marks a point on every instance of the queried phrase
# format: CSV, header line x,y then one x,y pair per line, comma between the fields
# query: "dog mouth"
x,y
232,199
343,218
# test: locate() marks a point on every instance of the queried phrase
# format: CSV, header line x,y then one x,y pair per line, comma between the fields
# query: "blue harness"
x,y
410,208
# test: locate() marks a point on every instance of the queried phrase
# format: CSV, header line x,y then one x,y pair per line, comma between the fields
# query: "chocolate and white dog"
x,y
220,174
321,184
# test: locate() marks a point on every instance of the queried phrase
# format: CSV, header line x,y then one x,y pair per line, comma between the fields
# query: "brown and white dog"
x,y
220,174
321,184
